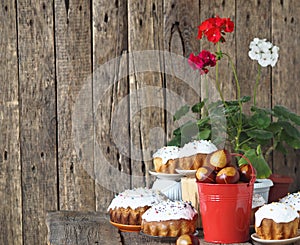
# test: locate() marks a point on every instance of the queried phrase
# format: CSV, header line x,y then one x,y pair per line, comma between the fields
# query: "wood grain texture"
x,y
10,163
247,28
37,117
145,86
111,100
285,76
75,129
182,83
84,228
75,132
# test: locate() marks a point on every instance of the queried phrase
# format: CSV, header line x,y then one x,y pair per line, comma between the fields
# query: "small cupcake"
x,y
128,206
276,221
165,160
170,219
193,154
293,200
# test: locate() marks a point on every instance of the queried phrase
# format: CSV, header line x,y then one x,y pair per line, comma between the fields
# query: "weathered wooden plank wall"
x,y
80,114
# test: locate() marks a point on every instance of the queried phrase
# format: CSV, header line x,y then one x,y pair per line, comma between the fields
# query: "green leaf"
x,y
204,134
260,134
181,112
262,110
275,128
244,99
283,112
258,162
281,148
177,131
231,109
176,141
289,129
295,143
201,122
198,107
189,129
260,120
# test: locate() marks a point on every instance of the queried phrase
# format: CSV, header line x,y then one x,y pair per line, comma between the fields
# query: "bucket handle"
x,y
253,176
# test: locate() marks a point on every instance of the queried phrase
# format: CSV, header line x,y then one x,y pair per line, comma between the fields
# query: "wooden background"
x,y
62,144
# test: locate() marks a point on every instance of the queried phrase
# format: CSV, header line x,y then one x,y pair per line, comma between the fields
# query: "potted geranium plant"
x,y
255,133
252,135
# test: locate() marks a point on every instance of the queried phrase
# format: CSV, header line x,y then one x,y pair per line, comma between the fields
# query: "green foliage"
x,y
267,129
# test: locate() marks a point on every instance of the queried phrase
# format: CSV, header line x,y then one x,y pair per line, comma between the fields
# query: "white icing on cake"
x,y
292,199
135,198
257,201
170,210
278,212
166,153
173,152
197,146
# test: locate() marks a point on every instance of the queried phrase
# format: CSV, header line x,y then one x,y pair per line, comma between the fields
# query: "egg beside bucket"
x,y
226,209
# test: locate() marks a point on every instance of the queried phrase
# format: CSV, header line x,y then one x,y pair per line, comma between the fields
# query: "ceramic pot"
x,y
280,188
262,187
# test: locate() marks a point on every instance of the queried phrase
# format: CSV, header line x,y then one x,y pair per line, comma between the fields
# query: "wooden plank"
x,y
70,227
111,100
180,32
249,14
74,104
285,88
37,116
84,228
10,165
147,125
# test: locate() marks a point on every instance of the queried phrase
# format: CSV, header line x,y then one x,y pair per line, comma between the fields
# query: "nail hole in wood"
x,y
5,155
105,18
72,167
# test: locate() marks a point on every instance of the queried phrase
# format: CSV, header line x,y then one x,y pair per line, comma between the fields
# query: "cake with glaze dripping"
x,y
190,157
292,199
170,219
276,221
128,207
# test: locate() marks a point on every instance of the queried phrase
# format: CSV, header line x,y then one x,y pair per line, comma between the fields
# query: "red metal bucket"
x,y
225,210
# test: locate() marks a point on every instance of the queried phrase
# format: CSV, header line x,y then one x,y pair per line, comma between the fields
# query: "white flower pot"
x,y
262,187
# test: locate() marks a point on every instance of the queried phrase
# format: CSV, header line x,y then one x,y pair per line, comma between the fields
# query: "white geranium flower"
x,y
264,52
254,53
265,59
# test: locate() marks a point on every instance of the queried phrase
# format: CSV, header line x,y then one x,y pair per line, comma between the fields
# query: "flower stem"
x,y
239,125
256,84
217,75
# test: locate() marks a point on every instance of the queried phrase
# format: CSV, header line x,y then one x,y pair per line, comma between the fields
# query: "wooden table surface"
x,y
85,228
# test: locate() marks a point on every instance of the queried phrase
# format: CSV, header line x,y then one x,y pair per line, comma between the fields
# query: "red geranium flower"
x,y
202,61
213,28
